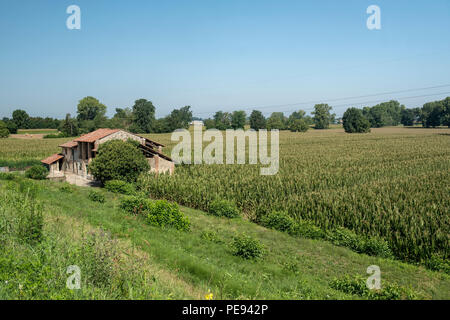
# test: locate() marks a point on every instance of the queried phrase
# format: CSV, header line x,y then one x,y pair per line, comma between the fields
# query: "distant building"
x,y
76,155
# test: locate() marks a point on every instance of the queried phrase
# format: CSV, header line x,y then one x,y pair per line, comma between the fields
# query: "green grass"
x,y
190,263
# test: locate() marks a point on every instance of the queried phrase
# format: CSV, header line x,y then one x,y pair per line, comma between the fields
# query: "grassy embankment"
x,y
142,261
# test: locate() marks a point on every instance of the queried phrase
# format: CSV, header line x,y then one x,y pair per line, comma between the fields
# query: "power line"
x,y
374,101
339,99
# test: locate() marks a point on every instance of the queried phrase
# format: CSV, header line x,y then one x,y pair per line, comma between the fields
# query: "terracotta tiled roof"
x,y
95,135
53,158
70,144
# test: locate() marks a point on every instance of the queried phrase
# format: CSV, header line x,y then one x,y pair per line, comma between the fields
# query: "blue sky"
x,y
220,54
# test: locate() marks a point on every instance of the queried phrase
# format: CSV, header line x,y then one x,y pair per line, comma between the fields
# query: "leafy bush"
x,y
96,196
4,132
119,186
345,238
307,229
438,263
377,247
223,208
357,286
118,160
278,220
7,176
355,122
159,213
37,172
56,135
299,125
135,205
370,246
246,247
162,213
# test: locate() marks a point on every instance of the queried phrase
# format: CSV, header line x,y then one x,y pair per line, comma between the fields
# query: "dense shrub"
x,y
370,246
299,125
344,238
355,122
7,176
135,205
119,186
159,213
118,160
281,221
56,135
246,247
278,220
438,263
307,229
162,213
223,208
37,172
377,247
357,286
96,196
4,132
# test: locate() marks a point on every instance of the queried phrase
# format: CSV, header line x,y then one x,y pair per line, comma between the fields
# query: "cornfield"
x,y
392,183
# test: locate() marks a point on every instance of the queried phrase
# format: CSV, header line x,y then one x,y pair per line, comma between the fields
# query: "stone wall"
x,y
121,135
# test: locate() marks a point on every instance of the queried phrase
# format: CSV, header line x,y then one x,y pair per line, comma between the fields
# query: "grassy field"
x,y
123,258
392,183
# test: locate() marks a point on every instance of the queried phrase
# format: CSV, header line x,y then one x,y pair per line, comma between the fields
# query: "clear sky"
x,y
221,54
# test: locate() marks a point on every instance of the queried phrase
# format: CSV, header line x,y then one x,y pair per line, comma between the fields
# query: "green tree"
x,y
238,119
409,117
143,116
446,112
123,118
433,114
69,126
4,132
209,123
21,119
384,114
297,121
277,120
161,125
179,119
298,125
11,125
118,160
89,108
355,122
257,120
222,120
322,116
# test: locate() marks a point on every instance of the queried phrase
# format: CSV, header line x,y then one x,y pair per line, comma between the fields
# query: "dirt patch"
x,y
28,136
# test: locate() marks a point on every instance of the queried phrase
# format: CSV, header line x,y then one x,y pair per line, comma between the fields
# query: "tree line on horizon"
x,y
140,118
91,115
